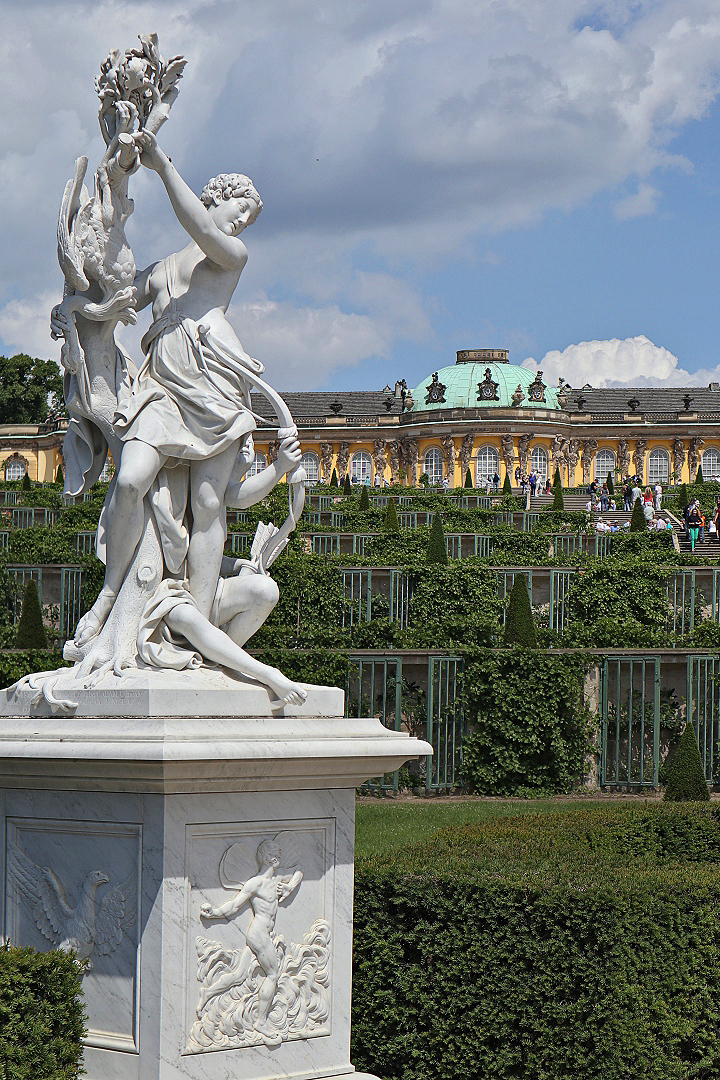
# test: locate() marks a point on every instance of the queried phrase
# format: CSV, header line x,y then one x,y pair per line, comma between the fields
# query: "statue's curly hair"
x,y
229,186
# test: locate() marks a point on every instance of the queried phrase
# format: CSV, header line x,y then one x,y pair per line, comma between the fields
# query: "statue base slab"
x,y
150,826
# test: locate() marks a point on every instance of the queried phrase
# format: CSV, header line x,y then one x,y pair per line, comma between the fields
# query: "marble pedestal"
x,y
141,819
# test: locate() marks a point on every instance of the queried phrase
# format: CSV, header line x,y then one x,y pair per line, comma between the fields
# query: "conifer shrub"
x,y
468,479
437,548
519,622
364,498
683,497
390,522
334,479
507,485
577,945
347,486
26,482
59,478
699,478
558,500
610,484
424,480
31,629
557,482
685,774
41,1015
637,521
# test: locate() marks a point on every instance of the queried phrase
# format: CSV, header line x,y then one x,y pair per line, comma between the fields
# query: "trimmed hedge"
x,y
41,1015
582,945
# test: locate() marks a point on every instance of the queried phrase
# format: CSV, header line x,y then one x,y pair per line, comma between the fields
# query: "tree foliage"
x,y
519,622
334,479
468,479
347,486
638,522
507,485
699,478
437,548
31,630
558,500
391,523
364,499
29,389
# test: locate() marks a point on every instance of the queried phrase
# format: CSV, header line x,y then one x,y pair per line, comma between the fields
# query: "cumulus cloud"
x,y
384,136
632,362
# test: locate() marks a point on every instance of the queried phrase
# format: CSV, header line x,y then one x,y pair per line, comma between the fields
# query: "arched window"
x,y
710,464
15,468
604,464
539,463
258,465
360,467
434,466
487,463
311,464
658,466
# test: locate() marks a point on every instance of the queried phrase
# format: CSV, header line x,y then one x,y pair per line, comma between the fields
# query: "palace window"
x,y
311,464
604,464
711,464
360,467
258,465
658,466
434,466
487,463
15,469
539,463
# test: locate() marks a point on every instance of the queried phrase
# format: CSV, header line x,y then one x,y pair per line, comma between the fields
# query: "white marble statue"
x,y
178,423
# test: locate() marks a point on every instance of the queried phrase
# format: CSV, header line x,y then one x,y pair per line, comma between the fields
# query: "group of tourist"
x,y
532,483
700,527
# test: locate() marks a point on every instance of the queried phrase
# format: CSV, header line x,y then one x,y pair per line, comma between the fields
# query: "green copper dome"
x,y
483,378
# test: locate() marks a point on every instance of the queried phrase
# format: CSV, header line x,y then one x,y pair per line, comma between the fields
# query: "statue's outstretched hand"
x,y
151,156
289,452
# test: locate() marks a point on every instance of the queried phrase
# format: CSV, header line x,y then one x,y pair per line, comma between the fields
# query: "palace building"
x,y
481,413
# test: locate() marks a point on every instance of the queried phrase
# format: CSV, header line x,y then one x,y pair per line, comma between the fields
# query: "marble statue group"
x,y
177,420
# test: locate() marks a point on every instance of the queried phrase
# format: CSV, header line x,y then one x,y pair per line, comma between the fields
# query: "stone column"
x,y
207,862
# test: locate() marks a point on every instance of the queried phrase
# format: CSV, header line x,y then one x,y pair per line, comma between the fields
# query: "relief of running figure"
x,y
186,414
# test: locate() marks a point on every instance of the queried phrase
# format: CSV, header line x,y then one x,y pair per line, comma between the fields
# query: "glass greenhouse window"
x,y
433,465
311,464
361,467
658,466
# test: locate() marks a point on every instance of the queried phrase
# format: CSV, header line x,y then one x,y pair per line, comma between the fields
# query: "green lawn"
x,y
384,824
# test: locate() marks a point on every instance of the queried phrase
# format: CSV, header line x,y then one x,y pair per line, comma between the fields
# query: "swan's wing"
x,y
117,910
237,865
69,256
43,889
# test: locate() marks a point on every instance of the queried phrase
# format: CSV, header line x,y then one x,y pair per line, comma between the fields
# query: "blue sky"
x,y
437,175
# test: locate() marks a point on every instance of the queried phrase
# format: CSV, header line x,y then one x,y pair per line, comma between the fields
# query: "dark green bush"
x,y
468,479
699,478
347,486
638,522
685,775
26,482
581,945
507,485
529,722
558,500
391,523
519,623
364,499
437,548
334,479
41,1015
31,631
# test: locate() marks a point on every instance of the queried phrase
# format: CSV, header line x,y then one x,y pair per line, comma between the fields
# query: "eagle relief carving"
x,y
270,990
84,927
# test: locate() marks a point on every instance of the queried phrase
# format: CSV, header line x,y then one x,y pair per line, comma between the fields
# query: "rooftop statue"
x,y
178,421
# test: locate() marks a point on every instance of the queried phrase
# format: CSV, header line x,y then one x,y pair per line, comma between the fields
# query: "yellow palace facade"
x,y
480,414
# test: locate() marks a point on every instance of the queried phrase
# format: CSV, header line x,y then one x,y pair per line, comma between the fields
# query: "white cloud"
x,y
631,362
644,201
393,131
25,326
